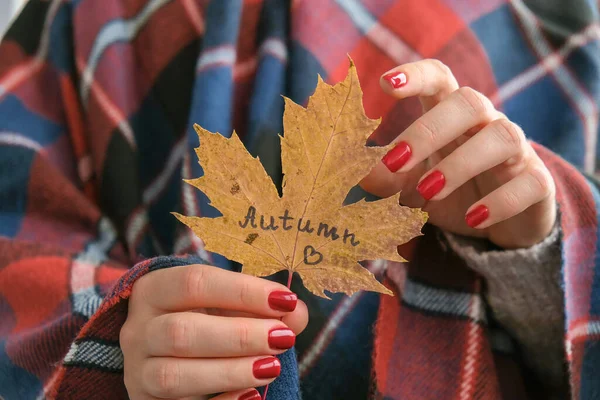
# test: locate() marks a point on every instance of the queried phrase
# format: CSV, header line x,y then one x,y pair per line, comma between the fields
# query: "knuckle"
x,y
140,292
463,163
421,73
127,337
509,133
543,181
242,338
439,65
164,379
194,280
128,379
511,202
178,334
428,132
245,294
474,102
233,378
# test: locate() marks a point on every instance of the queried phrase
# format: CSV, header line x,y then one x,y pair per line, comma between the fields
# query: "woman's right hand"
x,y
198,330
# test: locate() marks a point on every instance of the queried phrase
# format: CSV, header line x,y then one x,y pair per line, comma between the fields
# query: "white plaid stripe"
x,y
579,330
139,224
136,225
189,203
427,298
274,47
193,13
20,74
152,192
190,208
95,252
48,385
85,300
139,220
116,31
82,276
382,37
85,168
326,334
114,113
218,56
546,66
474,337
581,99
16,139
95,354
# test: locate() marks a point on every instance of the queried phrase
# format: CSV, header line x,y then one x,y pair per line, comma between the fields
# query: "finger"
x,y
248,394
383,183
201,286
165,377
295,320
463,110
530,187
207,336
430,79
498,142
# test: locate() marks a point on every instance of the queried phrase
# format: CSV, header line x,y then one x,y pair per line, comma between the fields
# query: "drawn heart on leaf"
x,y
309,252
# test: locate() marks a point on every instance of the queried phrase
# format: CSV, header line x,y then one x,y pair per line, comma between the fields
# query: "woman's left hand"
x,y
464,162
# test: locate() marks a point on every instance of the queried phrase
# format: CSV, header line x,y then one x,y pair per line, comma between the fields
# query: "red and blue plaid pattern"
x,y
97,100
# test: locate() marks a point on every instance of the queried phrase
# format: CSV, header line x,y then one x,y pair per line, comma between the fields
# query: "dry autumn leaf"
x,y
308,230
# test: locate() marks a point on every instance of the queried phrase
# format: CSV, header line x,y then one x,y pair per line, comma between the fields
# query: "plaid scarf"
x,y
97,99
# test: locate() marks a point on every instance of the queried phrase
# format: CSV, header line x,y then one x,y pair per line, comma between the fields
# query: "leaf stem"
x,y
290,276
289,285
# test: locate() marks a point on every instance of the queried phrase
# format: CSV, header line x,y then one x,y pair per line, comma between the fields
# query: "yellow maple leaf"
x,y
308,230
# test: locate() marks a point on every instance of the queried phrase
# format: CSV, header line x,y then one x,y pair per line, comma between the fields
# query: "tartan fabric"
x,y
97,99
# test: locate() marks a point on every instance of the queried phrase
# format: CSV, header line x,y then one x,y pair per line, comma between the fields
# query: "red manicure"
x,y
266,368
477,215
431,185
396,79
281,338
283,301
253,395
397,157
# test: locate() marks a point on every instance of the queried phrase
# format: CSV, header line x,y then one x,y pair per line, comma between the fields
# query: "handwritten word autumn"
x,y
286,222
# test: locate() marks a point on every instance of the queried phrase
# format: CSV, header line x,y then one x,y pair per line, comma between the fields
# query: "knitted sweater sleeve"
x,y
525,294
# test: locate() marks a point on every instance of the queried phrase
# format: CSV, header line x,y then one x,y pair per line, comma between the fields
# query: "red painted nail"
x,y
477,215
396,79
253,395
266,368
281,338
397,157
431,185
283,301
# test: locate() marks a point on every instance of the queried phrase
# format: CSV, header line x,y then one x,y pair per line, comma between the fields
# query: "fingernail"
x,y
477,215
281,338
283,301
431,185
397,157
266,368
253,395
396,79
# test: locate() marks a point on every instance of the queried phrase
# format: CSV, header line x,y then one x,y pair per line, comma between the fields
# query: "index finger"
x,y
202,286
430,79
